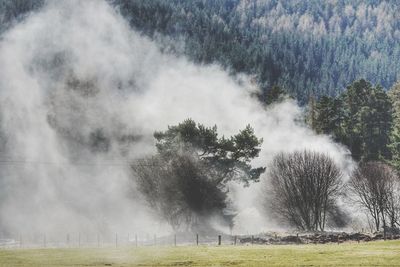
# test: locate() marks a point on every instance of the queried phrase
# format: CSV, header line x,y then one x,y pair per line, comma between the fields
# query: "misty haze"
x,y
157,132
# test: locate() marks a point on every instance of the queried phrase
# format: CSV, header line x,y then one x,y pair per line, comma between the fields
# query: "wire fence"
x,y
118,240
82,240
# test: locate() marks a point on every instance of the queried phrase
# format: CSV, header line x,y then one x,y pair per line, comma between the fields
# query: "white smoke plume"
x,y
74,73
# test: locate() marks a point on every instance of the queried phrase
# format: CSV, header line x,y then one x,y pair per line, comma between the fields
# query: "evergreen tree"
x,y
185,182
376,120
329,117
275,95
360,118
228,158
311,112
394,94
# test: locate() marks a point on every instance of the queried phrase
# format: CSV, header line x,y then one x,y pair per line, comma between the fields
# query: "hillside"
x,y
307,47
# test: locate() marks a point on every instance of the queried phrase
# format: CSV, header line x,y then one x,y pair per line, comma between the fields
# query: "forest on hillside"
x,y
310,48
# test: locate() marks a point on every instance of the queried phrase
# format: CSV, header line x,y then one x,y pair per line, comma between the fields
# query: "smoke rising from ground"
x,y
81,95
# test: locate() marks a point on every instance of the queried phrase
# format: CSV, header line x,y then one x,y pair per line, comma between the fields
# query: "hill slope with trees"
x,y
306,47
309,48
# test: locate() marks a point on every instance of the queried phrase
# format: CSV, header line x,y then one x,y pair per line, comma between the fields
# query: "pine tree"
x,y
329,117
367,121
394,95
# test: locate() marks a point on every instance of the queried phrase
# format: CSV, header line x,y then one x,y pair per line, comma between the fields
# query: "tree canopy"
x,y
228,158
307,47
360,118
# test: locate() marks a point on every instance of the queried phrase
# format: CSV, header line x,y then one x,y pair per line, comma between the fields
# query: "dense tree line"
x,y
307,47
360,118
363,117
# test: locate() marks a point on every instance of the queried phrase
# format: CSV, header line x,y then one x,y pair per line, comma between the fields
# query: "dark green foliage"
x,y
395,147
185,183
360,118
329,117
394,95
368,121
274,95
311,112
308,47
228,158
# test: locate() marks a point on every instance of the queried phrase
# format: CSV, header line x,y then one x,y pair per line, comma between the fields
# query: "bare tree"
x,y
375,187
393,205
304,187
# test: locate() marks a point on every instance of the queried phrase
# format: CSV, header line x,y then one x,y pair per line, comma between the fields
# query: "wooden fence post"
x,y
384,233
219,240
197,239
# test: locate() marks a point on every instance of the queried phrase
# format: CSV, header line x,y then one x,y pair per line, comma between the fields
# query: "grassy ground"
x,y
379,253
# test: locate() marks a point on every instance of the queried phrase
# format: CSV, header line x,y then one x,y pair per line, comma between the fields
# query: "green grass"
x,y
378,253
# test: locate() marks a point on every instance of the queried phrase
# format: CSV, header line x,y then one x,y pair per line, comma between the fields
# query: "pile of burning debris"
x,y
315,238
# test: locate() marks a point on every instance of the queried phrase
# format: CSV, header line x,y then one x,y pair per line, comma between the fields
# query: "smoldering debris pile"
x,y
315,238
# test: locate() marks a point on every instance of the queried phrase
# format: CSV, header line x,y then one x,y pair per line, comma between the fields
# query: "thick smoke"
x,y
81,95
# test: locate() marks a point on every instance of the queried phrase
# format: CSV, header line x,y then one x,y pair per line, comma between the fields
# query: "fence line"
x,y
71,240
74,240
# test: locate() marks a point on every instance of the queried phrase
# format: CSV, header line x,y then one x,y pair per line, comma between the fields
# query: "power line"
x,y
122,163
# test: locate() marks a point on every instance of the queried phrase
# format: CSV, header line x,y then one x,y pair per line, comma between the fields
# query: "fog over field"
x,y
81,95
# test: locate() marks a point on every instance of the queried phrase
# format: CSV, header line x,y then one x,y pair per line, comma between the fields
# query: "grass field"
x,y
379,253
